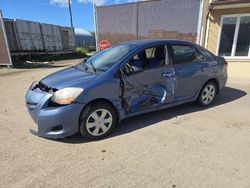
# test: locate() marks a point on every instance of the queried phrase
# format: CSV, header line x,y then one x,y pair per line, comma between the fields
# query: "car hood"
x,y
69,77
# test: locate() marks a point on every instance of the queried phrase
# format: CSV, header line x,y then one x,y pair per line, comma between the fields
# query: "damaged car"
x,y
122,81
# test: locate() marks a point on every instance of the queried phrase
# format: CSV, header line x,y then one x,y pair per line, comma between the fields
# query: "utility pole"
x,y
96,26
70,14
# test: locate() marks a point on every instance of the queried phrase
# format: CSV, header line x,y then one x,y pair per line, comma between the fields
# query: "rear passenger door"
x,y
189,71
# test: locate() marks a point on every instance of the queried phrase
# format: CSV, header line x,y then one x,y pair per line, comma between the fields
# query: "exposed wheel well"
x,y
214,80
100,100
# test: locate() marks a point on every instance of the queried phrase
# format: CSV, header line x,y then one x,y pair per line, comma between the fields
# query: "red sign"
x,y
104,44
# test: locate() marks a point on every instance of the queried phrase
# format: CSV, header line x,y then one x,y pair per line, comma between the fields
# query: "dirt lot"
x,y
185,146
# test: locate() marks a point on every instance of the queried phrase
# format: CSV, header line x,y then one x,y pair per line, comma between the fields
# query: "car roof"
x,y
156,41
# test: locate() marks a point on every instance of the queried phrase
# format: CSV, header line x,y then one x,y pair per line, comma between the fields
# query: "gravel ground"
x,y
184,146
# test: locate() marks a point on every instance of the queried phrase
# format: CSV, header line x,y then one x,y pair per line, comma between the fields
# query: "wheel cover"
x,y
99,122
208,94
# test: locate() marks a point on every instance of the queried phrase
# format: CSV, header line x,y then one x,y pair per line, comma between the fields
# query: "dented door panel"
x,y
150,88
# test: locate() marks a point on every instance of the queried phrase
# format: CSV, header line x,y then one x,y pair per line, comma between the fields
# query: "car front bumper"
x,y
53,122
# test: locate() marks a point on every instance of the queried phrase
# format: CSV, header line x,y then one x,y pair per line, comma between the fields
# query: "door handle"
x,y
168,74
202,69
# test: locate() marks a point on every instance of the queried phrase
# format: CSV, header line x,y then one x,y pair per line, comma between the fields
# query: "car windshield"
x,y
105,59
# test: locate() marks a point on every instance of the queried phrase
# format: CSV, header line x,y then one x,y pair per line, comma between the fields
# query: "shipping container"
x,y
68,38
29,35
51,37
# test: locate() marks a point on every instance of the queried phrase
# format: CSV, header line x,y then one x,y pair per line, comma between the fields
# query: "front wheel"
x,y
97,120
207,94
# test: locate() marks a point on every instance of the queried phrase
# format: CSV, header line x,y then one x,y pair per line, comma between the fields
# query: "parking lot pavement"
x,y
184,146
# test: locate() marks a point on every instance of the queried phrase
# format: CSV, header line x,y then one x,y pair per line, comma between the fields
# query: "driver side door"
x,y
148,80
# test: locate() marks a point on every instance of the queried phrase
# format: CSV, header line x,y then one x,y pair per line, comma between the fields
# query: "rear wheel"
x,y
207,94
97,120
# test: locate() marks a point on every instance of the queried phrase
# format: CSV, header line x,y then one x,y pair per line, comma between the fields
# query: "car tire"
x,y
207,94
97,120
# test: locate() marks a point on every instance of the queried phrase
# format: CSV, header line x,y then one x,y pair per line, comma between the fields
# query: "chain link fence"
x,y
164,19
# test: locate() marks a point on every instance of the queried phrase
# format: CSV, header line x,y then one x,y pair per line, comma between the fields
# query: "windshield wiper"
x,y
93,67
81,66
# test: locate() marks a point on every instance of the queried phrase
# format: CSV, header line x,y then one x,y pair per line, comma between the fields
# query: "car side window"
x,y
183,53
209,55
150,52
200,55
147,59
141,57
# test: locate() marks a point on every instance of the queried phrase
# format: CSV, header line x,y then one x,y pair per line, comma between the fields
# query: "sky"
x,y
55,11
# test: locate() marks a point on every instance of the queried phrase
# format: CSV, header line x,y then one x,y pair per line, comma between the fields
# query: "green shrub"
x,y
84,50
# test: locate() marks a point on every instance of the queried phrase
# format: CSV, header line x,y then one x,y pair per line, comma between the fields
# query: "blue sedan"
x,y
124,80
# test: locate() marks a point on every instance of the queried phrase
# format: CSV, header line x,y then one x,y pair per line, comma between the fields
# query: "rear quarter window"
x,y
209,55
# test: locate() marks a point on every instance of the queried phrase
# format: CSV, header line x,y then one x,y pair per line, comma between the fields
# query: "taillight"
x,y
225,62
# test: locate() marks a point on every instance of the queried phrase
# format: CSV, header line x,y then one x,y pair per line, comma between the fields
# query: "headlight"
x,y
66,95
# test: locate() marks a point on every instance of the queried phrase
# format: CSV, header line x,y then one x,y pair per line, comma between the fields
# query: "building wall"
x,y
205,13
4,53
214,29
4,57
